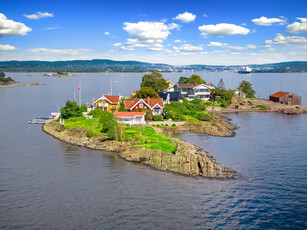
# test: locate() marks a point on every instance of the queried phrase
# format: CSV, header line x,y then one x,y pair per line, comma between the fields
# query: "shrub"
x,y
71,109
83,108
203,116
96,113
158,118
173,125
166,124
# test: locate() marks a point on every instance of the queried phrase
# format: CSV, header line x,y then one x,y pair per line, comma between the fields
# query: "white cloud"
x,y
217,44
106,33
297,27
147,34
186,17
289,40
117,44
223,29
59,51
190,48
9,27
51,28
225,45
251,47
264,21
7,48
205,15
179,41
39,15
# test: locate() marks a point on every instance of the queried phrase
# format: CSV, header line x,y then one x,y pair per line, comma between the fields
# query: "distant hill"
x,y
103,65
95,65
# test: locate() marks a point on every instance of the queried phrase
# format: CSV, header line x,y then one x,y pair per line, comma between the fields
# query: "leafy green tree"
x,y
146,91
108,121
196,79
246,87
155,81
221,85
83,108
2,75
71,109
122,105
183,80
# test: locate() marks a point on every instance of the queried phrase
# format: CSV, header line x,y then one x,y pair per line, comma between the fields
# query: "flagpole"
x,y
79,93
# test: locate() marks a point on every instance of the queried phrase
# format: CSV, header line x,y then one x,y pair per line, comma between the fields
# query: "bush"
x,y
83,108
173,125
71,109
203,117
96,113
166,124
158,118
108,121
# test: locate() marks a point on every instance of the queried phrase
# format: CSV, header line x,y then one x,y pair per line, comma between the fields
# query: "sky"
x,y
178,32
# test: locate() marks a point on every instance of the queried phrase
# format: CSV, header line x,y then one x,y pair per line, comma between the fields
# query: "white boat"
x,y
245,70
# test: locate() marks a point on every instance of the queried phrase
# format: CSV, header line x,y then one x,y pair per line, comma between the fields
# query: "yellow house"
x,y
108,103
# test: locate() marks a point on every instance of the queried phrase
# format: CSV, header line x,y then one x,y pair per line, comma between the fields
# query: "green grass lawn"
x,y
152,139
81,122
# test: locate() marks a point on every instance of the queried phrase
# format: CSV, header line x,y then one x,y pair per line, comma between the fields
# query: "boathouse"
x,y
286,98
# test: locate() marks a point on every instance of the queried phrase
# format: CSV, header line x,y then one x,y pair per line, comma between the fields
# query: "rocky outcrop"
x,y
186,161
219,126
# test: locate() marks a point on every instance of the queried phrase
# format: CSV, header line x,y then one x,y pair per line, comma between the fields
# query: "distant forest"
x,y
105,65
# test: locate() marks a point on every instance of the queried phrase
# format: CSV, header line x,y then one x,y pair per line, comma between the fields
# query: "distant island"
x,y
106,65
60,74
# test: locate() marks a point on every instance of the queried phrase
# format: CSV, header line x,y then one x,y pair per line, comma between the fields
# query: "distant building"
x,y
191,91
169,96
286,98
107,103
141,104
131,118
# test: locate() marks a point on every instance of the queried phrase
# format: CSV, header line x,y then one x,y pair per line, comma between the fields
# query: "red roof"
x,y
279,94
209,84
129,114
150,101
112,99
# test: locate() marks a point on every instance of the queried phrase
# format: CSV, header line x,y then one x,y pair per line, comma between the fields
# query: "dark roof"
x,y
279,94
174,96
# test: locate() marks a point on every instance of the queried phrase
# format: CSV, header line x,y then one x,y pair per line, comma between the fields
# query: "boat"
x,y
245,70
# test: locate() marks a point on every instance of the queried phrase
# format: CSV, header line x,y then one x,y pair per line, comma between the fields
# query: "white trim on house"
x,y
138,103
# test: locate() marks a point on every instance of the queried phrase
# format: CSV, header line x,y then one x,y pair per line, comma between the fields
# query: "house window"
x,y
290,96
155,111
141,105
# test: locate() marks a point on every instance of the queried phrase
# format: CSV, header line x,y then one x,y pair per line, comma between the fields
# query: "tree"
x,y
155,81
146,91
2,75
122,105
221,85
246,87
108,121
183,80
196,79
71,109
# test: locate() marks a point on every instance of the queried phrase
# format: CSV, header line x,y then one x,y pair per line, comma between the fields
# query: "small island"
x,y
6,80
59,74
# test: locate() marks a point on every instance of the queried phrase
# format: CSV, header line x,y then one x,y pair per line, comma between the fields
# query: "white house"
x,y
191,91
131,118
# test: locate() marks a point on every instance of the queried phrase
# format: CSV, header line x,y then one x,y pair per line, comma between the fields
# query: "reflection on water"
x,y
173,133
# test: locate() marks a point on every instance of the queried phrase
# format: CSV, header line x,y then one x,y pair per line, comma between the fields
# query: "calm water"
x,y
45,183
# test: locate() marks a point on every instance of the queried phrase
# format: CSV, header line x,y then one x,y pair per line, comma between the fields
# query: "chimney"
x,y
148,98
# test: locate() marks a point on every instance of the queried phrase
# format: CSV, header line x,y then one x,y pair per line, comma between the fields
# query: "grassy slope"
x,y
133,134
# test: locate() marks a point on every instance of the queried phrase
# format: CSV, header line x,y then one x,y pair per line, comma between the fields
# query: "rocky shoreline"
x,y
188,159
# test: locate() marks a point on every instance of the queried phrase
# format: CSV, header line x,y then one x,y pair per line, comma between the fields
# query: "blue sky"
x,y
173,32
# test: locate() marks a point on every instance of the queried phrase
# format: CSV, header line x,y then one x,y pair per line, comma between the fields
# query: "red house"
x,y
141,104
